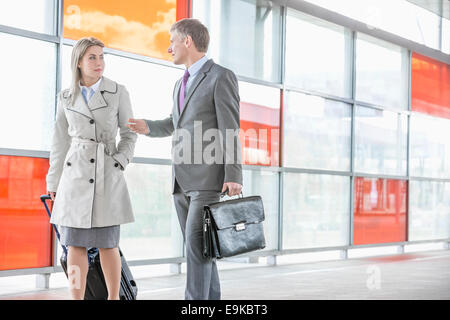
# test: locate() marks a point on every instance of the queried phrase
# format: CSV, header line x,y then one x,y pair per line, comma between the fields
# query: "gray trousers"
x,y
202,278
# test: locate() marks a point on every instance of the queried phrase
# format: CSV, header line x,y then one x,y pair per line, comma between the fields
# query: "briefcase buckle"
x,y
240,226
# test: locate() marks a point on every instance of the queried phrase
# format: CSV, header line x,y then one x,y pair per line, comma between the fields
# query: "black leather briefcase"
x,y
233,227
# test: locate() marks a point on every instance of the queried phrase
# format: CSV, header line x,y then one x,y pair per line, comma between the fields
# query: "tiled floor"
x,y
424,275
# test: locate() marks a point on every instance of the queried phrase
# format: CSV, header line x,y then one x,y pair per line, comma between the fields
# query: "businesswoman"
x,y
85,178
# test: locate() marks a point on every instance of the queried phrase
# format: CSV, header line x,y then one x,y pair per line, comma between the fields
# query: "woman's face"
x,y
92,64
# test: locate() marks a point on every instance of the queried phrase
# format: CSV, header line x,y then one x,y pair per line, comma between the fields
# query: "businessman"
x,y
206,149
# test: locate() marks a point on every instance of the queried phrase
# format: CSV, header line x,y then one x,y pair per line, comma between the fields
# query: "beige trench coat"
x,y
86,166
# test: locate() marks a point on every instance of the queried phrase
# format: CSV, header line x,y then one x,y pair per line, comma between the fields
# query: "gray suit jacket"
x,y
201,161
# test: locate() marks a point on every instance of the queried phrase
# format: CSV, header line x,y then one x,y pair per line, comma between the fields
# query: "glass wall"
x,y
246,35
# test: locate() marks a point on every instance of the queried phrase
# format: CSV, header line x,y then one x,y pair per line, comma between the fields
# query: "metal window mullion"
x,y
282,135
408,152
28,34
352,137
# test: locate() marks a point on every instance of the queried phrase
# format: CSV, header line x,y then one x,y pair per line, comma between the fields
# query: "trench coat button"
x,y
92,160
69,164
116,164
91,180
91,121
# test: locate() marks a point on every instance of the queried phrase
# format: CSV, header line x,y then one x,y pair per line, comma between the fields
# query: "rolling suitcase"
x,y
95,282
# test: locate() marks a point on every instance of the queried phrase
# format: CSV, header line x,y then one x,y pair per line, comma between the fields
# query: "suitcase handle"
x,y
44,199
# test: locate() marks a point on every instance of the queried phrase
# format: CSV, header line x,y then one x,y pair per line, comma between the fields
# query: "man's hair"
x,y
195,29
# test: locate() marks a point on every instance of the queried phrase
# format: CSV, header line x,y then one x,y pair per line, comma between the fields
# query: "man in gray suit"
x,y
206,148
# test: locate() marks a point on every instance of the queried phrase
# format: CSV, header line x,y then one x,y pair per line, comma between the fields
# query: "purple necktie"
x,y
183,88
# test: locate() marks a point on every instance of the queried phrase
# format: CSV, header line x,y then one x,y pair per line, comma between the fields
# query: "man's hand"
x,y
52,195
234,189
138,126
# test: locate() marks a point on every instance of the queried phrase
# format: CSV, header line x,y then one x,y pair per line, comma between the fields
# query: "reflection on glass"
x,y
379,211
323,65
316,210
138,26
28,84
417,24
381,73
265,185
260,124
33,15
380,141
429,210
25,233
316,133
430,147
156,232
245,35
430,86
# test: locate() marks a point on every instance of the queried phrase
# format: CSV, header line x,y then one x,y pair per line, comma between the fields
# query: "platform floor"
x,y
423,275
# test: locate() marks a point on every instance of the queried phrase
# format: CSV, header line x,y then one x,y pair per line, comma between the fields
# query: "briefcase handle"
x,y
223,194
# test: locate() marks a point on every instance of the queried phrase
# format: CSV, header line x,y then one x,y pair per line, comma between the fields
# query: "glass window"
x,y
444,36
379,211
429,216
316,133
265,185
316,210
245,35
156,232
138,26
430,86
25,231
323,65
29,89
430,147
381,73
417,24
150,87
32,15
380,141
260,124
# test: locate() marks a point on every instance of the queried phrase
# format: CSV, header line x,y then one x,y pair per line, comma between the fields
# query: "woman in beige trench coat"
x,y
85,177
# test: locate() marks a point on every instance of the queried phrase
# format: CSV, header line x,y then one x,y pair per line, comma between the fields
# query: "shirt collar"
x,y
195,68
94,87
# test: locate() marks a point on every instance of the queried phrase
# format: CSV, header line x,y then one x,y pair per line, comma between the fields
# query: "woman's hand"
x,y
138,126
52,195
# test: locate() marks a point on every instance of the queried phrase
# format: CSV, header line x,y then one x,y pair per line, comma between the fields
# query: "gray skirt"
x,y
104,237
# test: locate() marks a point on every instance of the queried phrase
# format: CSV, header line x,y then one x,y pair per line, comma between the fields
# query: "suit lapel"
x,y
80,107
198,79
97,101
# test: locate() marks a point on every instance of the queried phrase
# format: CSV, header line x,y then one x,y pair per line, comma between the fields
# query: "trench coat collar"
x,y
202,73
97,101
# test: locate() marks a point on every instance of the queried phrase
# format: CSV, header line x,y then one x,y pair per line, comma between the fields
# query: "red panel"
x,y
260,135
183,9
25,231
430,86
380,211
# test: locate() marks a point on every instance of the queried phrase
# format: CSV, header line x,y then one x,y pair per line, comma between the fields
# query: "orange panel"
x,y
25,231
260,135
138,26
430,86
380,211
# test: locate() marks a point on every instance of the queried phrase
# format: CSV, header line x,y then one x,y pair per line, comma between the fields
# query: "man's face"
x,y
177,48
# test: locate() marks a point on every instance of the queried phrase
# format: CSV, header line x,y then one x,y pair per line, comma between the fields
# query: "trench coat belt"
x,y
102,148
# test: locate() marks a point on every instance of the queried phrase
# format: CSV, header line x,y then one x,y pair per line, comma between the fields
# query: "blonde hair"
x,y
77,54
